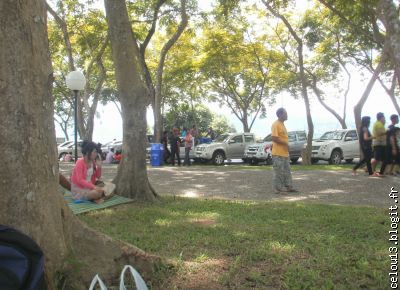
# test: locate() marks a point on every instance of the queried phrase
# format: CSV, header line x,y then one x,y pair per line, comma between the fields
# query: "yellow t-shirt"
x,y
378,129
278,129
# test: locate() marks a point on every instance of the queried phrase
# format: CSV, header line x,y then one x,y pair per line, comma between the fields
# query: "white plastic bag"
x,y
96,280
140,284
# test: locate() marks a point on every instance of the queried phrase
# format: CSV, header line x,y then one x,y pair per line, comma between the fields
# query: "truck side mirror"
x,y
231,141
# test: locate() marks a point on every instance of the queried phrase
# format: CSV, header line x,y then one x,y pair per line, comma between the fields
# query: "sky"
x,y
109,124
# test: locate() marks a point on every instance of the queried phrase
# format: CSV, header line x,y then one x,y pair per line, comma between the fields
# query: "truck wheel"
x,y
218,158
336,157
268,161
294,160
314,161
349,160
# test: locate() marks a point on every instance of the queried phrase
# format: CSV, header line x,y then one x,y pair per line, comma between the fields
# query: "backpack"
x,y
21,262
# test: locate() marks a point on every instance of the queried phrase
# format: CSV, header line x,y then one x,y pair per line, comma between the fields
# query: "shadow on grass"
x,y
241,245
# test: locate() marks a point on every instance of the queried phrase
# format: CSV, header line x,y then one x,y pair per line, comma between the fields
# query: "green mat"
x,y
78,208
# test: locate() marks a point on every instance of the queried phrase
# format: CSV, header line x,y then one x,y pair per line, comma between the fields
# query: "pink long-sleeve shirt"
x,y
79,173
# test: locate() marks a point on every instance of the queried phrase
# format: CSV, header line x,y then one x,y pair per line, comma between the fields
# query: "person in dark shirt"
x,y
164,141
175,144
392,148
366,146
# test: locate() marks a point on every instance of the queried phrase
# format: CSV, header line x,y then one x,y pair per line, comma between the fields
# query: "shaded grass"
x,y
260,245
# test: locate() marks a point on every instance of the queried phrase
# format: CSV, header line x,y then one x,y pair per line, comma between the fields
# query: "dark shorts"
x,y
380,153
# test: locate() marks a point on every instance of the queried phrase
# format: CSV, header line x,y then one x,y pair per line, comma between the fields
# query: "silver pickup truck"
x,y
261,152
226,146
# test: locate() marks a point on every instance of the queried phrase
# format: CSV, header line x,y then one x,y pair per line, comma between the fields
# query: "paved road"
x,y
322,186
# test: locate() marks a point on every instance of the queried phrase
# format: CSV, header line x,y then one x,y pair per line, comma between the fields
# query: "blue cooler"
x,y
156,154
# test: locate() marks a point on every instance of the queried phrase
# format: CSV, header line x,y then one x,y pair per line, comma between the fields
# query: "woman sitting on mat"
x,y
86,174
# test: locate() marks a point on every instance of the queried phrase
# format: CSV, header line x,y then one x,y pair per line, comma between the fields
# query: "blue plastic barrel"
x,y
204,140
156,154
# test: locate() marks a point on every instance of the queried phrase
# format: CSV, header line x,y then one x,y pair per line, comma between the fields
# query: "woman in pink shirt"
x,y
85,174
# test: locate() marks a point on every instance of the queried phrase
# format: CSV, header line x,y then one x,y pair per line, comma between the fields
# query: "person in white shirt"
x,y
109,157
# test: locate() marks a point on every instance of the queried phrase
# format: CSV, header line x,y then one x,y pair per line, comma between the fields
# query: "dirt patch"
x,y
204,275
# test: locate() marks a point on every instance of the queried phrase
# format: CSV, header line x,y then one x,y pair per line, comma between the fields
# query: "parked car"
x,y
226,146
69,149
261,152
334,146
64,144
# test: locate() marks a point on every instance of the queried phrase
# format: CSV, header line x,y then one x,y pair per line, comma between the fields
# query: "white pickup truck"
x,y
226,146
261,152
333,146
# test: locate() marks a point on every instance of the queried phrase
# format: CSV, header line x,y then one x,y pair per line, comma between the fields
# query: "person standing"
x,y
392,148
211,133
280,154
184,132
164,142
109,156
366,146
194,132
188,146
379,143
175,144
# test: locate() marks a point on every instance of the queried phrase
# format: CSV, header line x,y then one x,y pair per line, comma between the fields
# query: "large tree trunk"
x,y
30,200
131,179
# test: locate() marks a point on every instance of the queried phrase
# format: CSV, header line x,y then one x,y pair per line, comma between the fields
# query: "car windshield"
x,y
334,135
221,138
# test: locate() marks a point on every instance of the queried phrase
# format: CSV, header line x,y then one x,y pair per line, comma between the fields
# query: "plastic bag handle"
x,y
140,284
96,280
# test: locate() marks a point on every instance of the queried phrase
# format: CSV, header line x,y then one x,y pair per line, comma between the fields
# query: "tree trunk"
x,y
64,128
360,104
30,200
391,91
158,97
306,154
85,112
317,92
245,122
131,179
390,18
306,157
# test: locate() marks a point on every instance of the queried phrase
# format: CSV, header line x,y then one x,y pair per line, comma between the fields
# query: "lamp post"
x,y
76,82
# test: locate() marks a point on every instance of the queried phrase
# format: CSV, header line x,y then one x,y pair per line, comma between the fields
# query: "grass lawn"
x,y
256,245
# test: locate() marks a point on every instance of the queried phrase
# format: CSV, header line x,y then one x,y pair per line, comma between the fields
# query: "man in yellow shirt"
x,y
280,154
379,143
